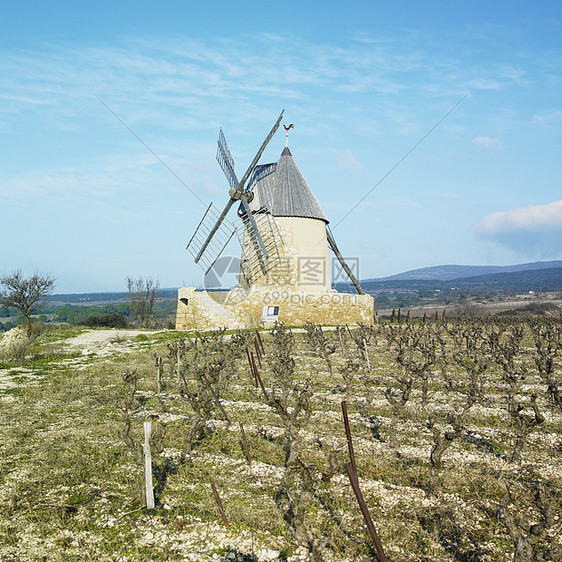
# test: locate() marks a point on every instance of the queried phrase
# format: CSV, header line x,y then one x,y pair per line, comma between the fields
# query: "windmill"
x,y
272,197
259,235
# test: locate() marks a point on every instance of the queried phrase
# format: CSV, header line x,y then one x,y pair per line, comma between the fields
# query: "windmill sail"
x,y
342,261
225,160
222,236
251,226
254,262
260,151
214,232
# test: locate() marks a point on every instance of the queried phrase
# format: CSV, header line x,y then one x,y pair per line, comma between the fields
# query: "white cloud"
x,y
347,161
487,142
548,118
532,230
533,218
515,75
191,78
484,83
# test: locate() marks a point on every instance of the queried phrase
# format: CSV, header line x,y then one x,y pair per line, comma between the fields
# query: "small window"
x,y
270,313
184,300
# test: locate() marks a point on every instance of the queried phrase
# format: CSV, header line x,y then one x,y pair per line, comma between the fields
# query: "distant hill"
x,y
518,281
536,276
450,272
97,299
538,280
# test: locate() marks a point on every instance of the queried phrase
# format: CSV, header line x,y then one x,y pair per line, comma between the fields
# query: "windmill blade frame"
x,y
252,221
252,261
223,235
214,230
238,193
225,160
260,151
346,268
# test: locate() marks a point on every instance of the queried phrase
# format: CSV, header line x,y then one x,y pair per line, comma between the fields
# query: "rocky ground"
x,y
71,466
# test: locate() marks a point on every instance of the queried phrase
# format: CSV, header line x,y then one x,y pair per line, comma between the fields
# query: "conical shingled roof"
x,y
281,188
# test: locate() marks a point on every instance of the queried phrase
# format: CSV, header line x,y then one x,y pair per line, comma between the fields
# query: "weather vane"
x,y
291,126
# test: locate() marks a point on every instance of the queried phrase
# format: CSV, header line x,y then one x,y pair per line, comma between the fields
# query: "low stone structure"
x,y
237,309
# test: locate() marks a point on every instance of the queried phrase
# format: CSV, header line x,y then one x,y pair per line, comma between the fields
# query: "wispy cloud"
x,y
187,78
533,230
483,83
548,118
163,86
346,160
101,188
487,142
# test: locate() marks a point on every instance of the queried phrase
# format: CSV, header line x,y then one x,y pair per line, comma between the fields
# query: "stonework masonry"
x,y
202,310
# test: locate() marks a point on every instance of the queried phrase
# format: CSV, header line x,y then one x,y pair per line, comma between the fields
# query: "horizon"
x,y
86,202
201,287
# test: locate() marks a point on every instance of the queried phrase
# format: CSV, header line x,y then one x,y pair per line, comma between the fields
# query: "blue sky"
x,y
363,82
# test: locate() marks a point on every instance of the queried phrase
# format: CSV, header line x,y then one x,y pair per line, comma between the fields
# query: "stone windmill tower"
x,y
281,190
285,262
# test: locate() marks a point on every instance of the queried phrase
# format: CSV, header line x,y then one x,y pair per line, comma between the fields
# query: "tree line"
x,y
22,298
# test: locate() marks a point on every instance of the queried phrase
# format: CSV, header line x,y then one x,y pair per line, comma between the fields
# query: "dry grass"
x,y
71,487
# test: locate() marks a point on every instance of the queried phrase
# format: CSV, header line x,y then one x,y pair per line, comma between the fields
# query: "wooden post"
x,y
148,466
258,352
253,361
260,342
348,435
179,365
159,374
354,481
366,354
257,374
245,444
341,339
252,368
219,504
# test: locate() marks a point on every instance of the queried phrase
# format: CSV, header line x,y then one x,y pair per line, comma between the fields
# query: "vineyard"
x,y
454,440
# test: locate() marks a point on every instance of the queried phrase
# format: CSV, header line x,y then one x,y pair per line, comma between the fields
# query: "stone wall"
x,y
198,311
202,310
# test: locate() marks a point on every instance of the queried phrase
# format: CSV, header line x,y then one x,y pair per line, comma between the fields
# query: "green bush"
x,y
113,320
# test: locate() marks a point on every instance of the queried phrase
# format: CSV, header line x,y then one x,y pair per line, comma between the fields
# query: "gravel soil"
x,y
72,432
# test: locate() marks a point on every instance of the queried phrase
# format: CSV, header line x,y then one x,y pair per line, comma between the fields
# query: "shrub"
x,y
14,347
15,353
114,320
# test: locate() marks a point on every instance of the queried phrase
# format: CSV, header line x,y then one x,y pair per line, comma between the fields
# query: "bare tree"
x,y
443,438
204,377
291,399
523,421
529,512
320,343
547,336
26,294
142,297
